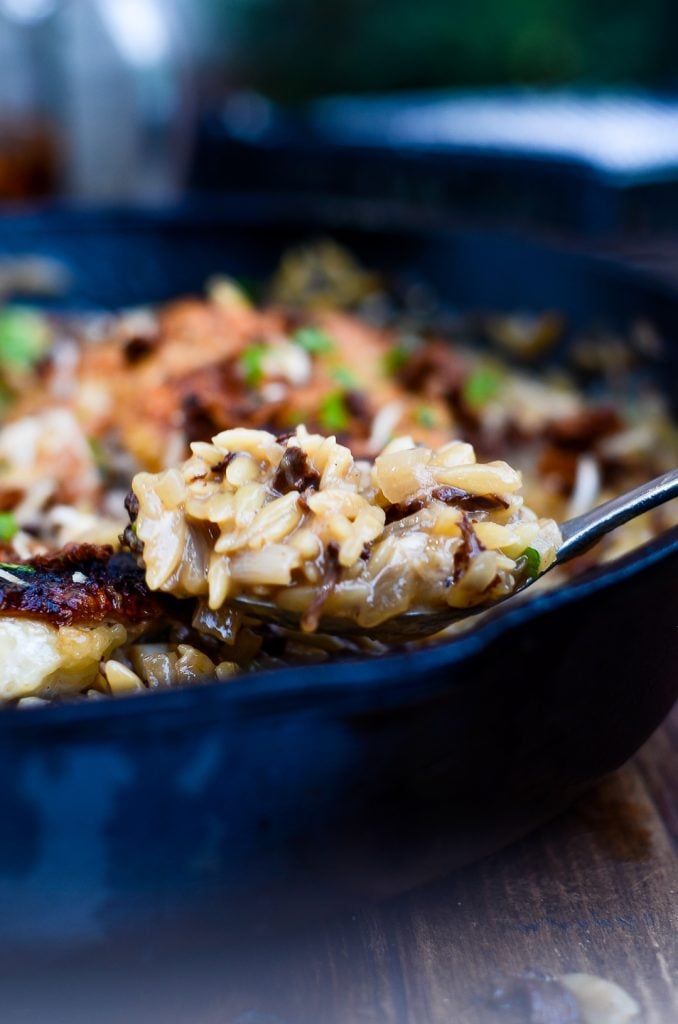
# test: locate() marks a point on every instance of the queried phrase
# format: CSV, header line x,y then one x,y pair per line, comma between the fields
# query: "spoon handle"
x,y
583,531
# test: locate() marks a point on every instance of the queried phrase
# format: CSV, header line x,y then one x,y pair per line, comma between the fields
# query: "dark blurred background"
x,y
297,49
111,100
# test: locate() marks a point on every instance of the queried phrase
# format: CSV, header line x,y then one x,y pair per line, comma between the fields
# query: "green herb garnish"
x,y
293,417
24,338
481,386
6,397
97,450
333,414
532,562
425,416
314,340
252,364
345,377
8,526
16,565
396,357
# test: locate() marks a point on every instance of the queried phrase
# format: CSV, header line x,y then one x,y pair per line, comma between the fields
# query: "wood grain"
x,y
595,891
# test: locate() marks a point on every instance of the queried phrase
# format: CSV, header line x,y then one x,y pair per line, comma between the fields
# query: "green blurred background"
x,y
296,49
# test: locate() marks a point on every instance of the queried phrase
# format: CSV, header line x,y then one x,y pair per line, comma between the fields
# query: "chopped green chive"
x,y
333,414
345,377
395,359
314,340
293,417
5,397
24,338
252,364
482,385
15,565
97,450
532,562
8,526
425,416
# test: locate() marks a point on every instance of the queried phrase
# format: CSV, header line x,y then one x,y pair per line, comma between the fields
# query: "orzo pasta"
x,y
334,449
298,521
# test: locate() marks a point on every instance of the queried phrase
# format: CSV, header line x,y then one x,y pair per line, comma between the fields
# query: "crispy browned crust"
x,y
114,588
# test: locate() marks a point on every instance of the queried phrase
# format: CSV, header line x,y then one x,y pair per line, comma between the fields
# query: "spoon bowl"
x,y
579,534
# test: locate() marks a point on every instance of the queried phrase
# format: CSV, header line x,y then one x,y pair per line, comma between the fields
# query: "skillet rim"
x,y
279,208
366,676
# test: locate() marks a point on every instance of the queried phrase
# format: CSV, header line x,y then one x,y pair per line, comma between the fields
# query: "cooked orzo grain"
x,y
89,401
299,522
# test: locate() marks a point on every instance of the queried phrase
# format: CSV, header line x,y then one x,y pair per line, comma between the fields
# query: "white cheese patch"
x,y
41,660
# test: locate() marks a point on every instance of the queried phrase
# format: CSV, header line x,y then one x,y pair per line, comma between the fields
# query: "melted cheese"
x,y
38,659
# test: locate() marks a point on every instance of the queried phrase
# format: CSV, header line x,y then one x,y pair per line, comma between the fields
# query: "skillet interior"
x,y
291,792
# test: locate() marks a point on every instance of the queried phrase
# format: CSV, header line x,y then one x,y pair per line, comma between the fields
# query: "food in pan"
x,y
297,521
327,370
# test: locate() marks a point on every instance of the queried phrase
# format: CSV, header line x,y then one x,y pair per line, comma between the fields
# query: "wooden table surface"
x,y
595,891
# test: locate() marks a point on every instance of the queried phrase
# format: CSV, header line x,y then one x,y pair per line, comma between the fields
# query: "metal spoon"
x,y
578,534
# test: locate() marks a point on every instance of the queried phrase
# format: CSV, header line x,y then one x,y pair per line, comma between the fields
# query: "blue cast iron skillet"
x,y
245,804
